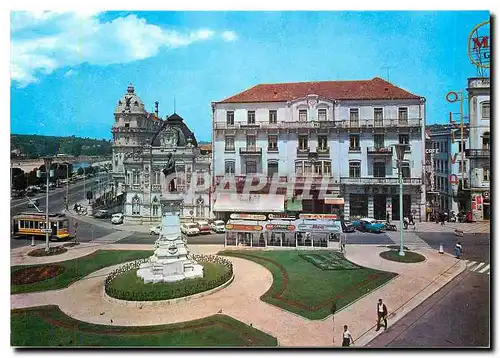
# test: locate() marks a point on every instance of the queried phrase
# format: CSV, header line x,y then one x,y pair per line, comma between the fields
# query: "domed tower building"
x,y
142,143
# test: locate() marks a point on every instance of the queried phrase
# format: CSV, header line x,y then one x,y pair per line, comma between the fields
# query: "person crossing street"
x,y
381,314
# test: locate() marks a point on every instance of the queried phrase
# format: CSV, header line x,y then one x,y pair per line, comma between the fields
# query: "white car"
x,y
190,229
218,226
155,230
117,218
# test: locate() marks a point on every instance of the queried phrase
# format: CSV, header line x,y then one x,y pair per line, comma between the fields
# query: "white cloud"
x,y
42,42
229,36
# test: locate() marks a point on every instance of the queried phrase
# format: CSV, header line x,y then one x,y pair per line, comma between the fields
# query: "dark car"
x,y
347,226
102,214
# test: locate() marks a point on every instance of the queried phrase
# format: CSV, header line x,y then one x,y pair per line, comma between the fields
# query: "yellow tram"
x,y
33,224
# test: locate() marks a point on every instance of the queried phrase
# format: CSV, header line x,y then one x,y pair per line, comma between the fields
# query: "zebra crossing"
x,y
478,267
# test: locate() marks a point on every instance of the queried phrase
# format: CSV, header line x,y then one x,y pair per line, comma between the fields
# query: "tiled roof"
x,y
373,89
205,146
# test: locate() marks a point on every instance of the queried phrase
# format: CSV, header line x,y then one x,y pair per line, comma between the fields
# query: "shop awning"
x,y
294,204
249,203
334,201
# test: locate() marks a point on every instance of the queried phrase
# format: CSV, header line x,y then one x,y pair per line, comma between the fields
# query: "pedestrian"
x,y
411,219
405,222
381,314
388,217
458,250
441,217
346,337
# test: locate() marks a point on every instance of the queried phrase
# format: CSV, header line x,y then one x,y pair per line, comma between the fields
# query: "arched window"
x,y
229,167
405,170
354,169
136,206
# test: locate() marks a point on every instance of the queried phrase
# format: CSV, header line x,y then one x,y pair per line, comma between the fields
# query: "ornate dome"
x,y
130,103
175,133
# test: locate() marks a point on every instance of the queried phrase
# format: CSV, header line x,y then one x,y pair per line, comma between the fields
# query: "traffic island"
x,y
53,250
48,326
309,283
124,286
409,257
74,270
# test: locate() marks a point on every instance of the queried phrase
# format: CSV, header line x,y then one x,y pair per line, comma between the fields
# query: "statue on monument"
x,y
168,170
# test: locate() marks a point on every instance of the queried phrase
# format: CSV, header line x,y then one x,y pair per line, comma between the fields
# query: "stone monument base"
x,y
170,271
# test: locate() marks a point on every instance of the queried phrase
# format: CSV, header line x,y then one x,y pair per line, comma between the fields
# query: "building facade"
x,y
479,146
142,142
342,131
451,168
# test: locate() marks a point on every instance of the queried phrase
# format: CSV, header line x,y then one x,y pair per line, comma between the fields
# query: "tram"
x,y
32,224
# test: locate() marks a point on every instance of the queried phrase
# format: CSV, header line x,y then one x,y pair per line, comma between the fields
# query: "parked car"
x,y
102,214
218,226
368,225
52,186
117,218
203,227
190,229
155,230
30,192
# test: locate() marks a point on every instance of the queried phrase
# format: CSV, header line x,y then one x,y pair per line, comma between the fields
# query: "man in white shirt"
x,y
346,338
381,314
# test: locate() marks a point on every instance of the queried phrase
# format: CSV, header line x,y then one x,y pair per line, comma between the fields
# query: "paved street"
x,y
458,315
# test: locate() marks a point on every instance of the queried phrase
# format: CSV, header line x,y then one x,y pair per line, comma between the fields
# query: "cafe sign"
x,y
479,45
318,216
248,217
316,227
282,227
239,227
280,216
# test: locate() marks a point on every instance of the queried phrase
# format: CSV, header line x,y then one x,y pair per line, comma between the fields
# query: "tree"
x,y
80,171
18,179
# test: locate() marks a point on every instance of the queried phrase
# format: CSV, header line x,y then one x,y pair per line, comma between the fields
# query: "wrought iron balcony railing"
x,y
379,181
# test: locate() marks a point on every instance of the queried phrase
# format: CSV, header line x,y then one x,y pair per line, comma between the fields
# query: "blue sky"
x,y
68,70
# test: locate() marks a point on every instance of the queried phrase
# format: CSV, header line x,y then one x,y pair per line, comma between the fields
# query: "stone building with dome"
x,y
142,142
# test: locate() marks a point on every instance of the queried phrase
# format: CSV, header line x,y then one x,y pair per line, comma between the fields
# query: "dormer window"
x,y
136,103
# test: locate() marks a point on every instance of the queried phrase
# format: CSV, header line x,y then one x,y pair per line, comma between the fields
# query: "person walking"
x,y
346,337
388,217
381,314
458,250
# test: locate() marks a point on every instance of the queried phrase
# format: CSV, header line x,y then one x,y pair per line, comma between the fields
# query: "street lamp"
x,y
400,154
47,161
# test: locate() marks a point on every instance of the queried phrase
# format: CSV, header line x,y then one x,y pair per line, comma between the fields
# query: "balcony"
x,y
355,149
477,153
272,149
379,181
303,151
379,150
251,150
323,151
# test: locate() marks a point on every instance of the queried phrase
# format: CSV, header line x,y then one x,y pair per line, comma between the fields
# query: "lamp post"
x,y
47,161
400,153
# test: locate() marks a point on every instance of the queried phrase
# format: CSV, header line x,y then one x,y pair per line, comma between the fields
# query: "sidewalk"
x,y
84,299
480,227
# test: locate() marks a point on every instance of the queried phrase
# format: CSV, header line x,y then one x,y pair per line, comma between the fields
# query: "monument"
x,y
170,261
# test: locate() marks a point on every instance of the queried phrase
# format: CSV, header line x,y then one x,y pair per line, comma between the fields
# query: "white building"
x,y
450,166
341,130
137,165
479,144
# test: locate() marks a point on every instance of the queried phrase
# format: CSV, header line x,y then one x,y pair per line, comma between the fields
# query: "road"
x,y
458,315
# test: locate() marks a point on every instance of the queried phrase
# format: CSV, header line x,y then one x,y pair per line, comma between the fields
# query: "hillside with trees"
x,y
36,146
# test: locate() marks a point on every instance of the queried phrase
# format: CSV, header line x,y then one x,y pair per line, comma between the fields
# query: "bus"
x,y
31,224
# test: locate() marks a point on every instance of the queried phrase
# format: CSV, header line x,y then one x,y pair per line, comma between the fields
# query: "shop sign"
x,y
280,216
248,217
318,216
280,227
479,45
238,227
316,227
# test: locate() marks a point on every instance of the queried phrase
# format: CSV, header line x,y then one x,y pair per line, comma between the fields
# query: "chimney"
x,y
156,108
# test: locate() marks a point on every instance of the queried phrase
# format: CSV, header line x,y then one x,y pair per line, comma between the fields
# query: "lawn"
x,y
409,257
128,286
48,326
309,289
77,268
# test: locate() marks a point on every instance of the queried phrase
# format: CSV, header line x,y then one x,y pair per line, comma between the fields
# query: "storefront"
x,y
228,203
245,233
280,233
334,205
318,233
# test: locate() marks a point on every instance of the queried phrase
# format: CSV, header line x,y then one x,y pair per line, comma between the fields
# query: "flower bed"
x,y
123,283
35,274
54,250
329,261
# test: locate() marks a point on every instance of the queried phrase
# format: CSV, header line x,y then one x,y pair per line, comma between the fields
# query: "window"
x,y
200,180
229,167
403,114
272,168
354,116
229,143
486,174
323,142
327,168
251,167
486,142
127,139
199,208
462,166
155,210
318,168
378,115
230,118
322,114
155,178
404,139
354,169
299,168
251,117
354,142
303,139
127,125
272,143
485,110
135,177
273,116
251,142
379,170
135,206
378,140
405,170
303,167
303,115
